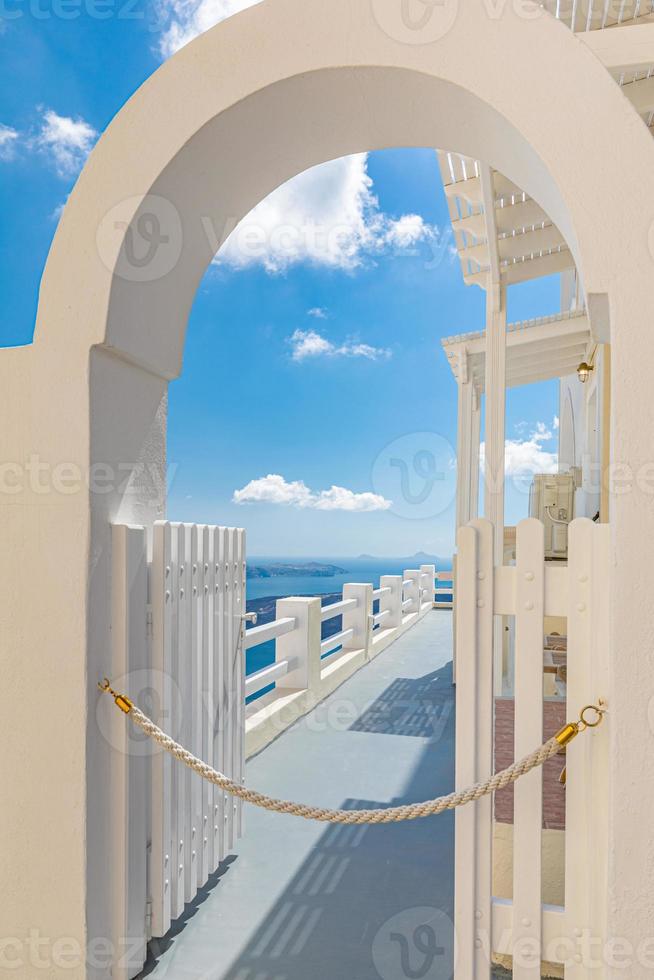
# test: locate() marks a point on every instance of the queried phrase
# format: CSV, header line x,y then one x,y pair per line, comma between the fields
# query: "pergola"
x,y
503,237
536,350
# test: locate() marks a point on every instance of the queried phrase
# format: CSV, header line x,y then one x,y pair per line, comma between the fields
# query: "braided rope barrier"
x,y
410,811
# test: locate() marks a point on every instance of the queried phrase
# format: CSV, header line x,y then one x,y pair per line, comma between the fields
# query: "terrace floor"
x,y
307,901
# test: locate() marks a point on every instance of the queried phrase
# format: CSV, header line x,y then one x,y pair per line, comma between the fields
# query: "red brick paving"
x,y
553,792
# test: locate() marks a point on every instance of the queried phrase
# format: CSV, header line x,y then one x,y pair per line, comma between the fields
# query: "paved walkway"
x,y
305,901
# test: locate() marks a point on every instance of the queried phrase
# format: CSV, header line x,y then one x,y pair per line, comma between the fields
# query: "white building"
x,y
549,166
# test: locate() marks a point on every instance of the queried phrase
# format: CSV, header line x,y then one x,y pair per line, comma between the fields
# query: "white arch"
x,y
282,86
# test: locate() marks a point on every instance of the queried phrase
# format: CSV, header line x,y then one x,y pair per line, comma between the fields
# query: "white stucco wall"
x,y
285,85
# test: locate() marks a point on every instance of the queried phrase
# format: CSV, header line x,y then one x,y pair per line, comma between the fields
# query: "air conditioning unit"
x,y
552,501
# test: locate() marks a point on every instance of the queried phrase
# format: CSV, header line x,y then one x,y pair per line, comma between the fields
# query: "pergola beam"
x,y
627,50
534,351
536,268
523,214
517,246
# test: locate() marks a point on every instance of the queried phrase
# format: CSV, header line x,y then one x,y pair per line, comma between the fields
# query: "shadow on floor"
x,y
374,902
418,707
369,902
158,947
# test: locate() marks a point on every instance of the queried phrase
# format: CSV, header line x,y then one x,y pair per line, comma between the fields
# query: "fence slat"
x,y
528,807
195,707
586,759
179,713
239,676
162,588
206,803
229,706
466,751
484,745
218,721
129,757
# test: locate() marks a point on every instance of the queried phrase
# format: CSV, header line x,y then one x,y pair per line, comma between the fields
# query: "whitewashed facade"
x,y
286,85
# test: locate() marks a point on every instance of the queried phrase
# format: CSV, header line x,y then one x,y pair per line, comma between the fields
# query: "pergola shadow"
x,y
371,899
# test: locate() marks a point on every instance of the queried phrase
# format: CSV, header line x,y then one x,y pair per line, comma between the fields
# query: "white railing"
x,y
261,679
307,667
530,590
335,642
269,631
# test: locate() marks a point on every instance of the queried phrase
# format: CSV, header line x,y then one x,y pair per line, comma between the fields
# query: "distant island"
x,y
420,556
312,569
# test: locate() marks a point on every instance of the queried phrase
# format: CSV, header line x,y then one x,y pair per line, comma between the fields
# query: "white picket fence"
x,y
530,590
179,642
182,656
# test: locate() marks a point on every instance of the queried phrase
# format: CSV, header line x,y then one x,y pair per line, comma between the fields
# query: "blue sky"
x,y
313,360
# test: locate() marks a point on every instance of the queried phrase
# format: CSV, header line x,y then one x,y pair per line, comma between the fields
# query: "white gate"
x,y
181,658
530,590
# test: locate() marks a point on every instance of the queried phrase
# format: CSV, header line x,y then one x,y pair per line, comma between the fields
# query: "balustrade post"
x,y
413,575
301,647
391,601
429,583
359,620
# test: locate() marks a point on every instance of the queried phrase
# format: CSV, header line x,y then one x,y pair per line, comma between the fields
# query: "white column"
x,y
494,461
474,453
464,442
495,411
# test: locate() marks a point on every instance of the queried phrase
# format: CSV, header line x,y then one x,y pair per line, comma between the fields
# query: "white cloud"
x,y
8,142
406,231
326,216
318,312
185,19
274,489
525,457
309,343
67,141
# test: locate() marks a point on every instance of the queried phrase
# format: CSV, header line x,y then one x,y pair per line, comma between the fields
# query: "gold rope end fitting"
x,y
566,735
123,703
591,716
121,700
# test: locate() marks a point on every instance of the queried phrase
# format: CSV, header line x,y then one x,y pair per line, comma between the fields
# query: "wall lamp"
x,y
586,368
584,371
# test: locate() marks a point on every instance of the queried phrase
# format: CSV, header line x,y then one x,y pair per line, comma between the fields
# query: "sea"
x,y
356,570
